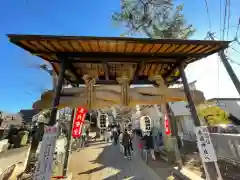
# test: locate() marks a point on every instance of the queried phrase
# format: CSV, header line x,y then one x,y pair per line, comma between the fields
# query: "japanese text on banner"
x,y
78,122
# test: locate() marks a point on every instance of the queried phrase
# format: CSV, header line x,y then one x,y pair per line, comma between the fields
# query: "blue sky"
x,y
21,85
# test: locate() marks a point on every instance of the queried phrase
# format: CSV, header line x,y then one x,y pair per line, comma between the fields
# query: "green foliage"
x,y
153,18
213,115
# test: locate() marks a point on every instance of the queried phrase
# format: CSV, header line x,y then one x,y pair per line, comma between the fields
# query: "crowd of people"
x,y
124,138
81,141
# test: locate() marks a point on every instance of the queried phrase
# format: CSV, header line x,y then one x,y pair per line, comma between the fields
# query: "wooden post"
x,y
90,82
124,82
57,94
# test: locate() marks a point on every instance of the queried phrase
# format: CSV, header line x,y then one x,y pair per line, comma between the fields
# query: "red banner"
x,y
78,121
167,128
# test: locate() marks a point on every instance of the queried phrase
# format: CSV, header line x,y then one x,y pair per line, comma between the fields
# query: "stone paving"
x,y
11,157
102,161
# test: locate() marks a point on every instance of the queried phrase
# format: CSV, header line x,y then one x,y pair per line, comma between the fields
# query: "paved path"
x,y
101,161
12,156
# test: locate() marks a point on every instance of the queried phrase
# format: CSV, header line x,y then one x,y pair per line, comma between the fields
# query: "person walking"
x,y
119,129
87,132
126,143
108,135
131,139
148,138
115,135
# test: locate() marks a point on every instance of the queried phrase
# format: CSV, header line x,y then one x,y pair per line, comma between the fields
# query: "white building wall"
x,y
179,108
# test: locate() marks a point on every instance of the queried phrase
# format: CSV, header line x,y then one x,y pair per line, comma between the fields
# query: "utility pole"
x,y
210,167
228,67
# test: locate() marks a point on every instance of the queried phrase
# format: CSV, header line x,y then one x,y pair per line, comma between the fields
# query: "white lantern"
x,y
145,123
102,120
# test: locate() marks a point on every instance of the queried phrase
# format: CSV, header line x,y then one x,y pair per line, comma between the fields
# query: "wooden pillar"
x,y
90,82
57,93
124,82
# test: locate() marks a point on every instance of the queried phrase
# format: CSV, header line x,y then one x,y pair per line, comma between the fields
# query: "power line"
x,y
229,15
234,40
220,18
230,27
218,69
228,67
235,25
234,49
218,77
224,19
233,61
208,14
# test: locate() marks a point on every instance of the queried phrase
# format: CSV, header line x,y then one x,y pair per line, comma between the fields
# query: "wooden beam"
x,y
115,61
174,67
115,82
118,56
69,66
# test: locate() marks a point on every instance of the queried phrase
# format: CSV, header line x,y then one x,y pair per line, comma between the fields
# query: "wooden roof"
x,y
108,57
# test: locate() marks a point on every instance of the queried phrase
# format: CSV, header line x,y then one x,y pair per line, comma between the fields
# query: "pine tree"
x,y
154,19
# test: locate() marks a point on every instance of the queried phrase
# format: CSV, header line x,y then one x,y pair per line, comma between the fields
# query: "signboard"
x,y
166,123
205,145
45,160
79,118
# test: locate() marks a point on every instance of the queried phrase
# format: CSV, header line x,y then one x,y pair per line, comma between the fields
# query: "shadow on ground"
x,y
111,164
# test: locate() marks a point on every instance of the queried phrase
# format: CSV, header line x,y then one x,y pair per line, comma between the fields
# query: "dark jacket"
x,y
115,134
126,139
148,142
